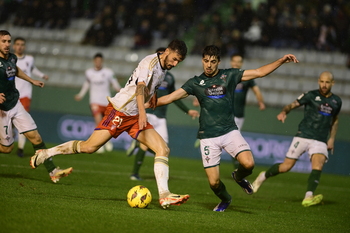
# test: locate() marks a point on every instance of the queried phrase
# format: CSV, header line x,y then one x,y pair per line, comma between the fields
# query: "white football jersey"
x,y
26,63
148,71
99,82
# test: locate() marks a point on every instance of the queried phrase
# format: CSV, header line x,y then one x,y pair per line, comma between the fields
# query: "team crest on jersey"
x,y
318,98
215,91
223,77
13,60
202,83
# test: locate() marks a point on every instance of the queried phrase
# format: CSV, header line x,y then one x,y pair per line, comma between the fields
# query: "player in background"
x,y
240,96
157,118
316,135
26,63
214,89
12,111
126,112
98,80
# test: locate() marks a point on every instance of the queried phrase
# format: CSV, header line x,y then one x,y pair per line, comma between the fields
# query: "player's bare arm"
x,y
286,109
259,97
167,99
269,68
141,91
2,98
22,75
334,128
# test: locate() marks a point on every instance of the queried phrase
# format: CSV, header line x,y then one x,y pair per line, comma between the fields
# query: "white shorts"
x,y
300,145
20,118
159,124
211,148
239,122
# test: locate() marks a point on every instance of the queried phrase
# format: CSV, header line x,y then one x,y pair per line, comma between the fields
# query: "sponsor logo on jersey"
x,y
325,109
318,98
201,83
215,91
11,73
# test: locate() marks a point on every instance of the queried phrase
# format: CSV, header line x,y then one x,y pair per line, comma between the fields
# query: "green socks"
x,y
242,172
273,170
313,180
221,192
49,165
139,157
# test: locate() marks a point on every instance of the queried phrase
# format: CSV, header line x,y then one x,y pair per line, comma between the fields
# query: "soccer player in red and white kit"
x,y
98,80
26,63
126,112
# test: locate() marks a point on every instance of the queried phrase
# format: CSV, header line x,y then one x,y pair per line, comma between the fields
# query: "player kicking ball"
x,y
320,120
126,112
13,112
214,89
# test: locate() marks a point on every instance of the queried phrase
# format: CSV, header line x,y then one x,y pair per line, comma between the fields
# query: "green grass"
x,y
93,199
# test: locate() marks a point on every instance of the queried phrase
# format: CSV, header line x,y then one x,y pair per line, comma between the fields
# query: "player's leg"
x,y
239,122
55,172
97,139
296,149
97,115
21,138
211,155
319,156
155,142
237,147
159,125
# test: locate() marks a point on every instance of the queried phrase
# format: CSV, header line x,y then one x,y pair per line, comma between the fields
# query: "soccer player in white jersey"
x,y
98,80
126,112
26,63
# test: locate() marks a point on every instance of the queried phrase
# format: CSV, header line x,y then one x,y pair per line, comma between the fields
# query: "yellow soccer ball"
x,y
139,197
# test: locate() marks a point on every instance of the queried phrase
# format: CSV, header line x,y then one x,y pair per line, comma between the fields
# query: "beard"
x,y
166,63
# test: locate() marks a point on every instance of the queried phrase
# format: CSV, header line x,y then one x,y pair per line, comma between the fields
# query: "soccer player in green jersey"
x,y
157,117
214,89
320,121
12,111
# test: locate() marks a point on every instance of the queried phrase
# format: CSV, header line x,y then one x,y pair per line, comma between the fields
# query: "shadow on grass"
x,y
232,207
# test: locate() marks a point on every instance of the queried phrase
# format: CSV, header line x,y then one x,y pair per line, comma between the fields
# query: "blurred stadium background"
x,y
64,35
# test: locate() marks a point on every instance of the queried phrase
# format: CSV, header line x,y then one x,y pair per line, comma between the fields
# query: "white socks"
x,y
309,194
21,141
161,172
71,147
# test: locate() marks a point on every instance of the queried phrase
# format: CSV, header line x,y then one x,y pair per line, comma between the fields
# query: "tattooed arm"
x,y
286,109
141,89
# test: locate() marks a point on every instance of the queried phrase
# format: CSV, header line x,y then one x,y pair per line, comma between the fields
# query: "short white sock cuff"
x,y
161,159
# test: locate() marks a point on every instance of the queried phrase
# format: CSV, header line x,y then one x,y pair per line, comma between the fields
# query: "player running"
x,y
126,112
98,80
320,121
26,63
12,111
157,118
214,89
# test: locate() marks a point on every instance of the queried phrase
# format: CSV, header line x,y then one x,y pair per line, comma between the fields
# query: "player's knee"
x,y
214,183
6,149
162,151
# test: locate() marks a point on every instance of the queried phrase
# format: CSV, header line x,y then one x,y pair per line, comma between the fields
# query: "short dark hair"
x,y
98,55
237,55
4,33
179,46
160,49
212,50
19,38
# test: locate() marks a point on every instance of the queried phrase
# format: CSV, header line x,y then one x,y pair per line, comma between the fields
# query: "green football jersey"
x,y
241,96
215,96
165,88
8,71
318,115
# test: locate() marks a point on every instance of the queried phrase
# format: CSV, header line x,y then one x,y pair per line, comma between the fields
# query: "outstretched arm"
x,y
283,115
259,97
175,95
330,142
269,68
22,75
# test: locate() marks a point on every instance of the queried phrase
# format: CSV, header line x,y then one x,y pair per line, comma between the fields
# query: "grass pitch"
x,y
93,199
